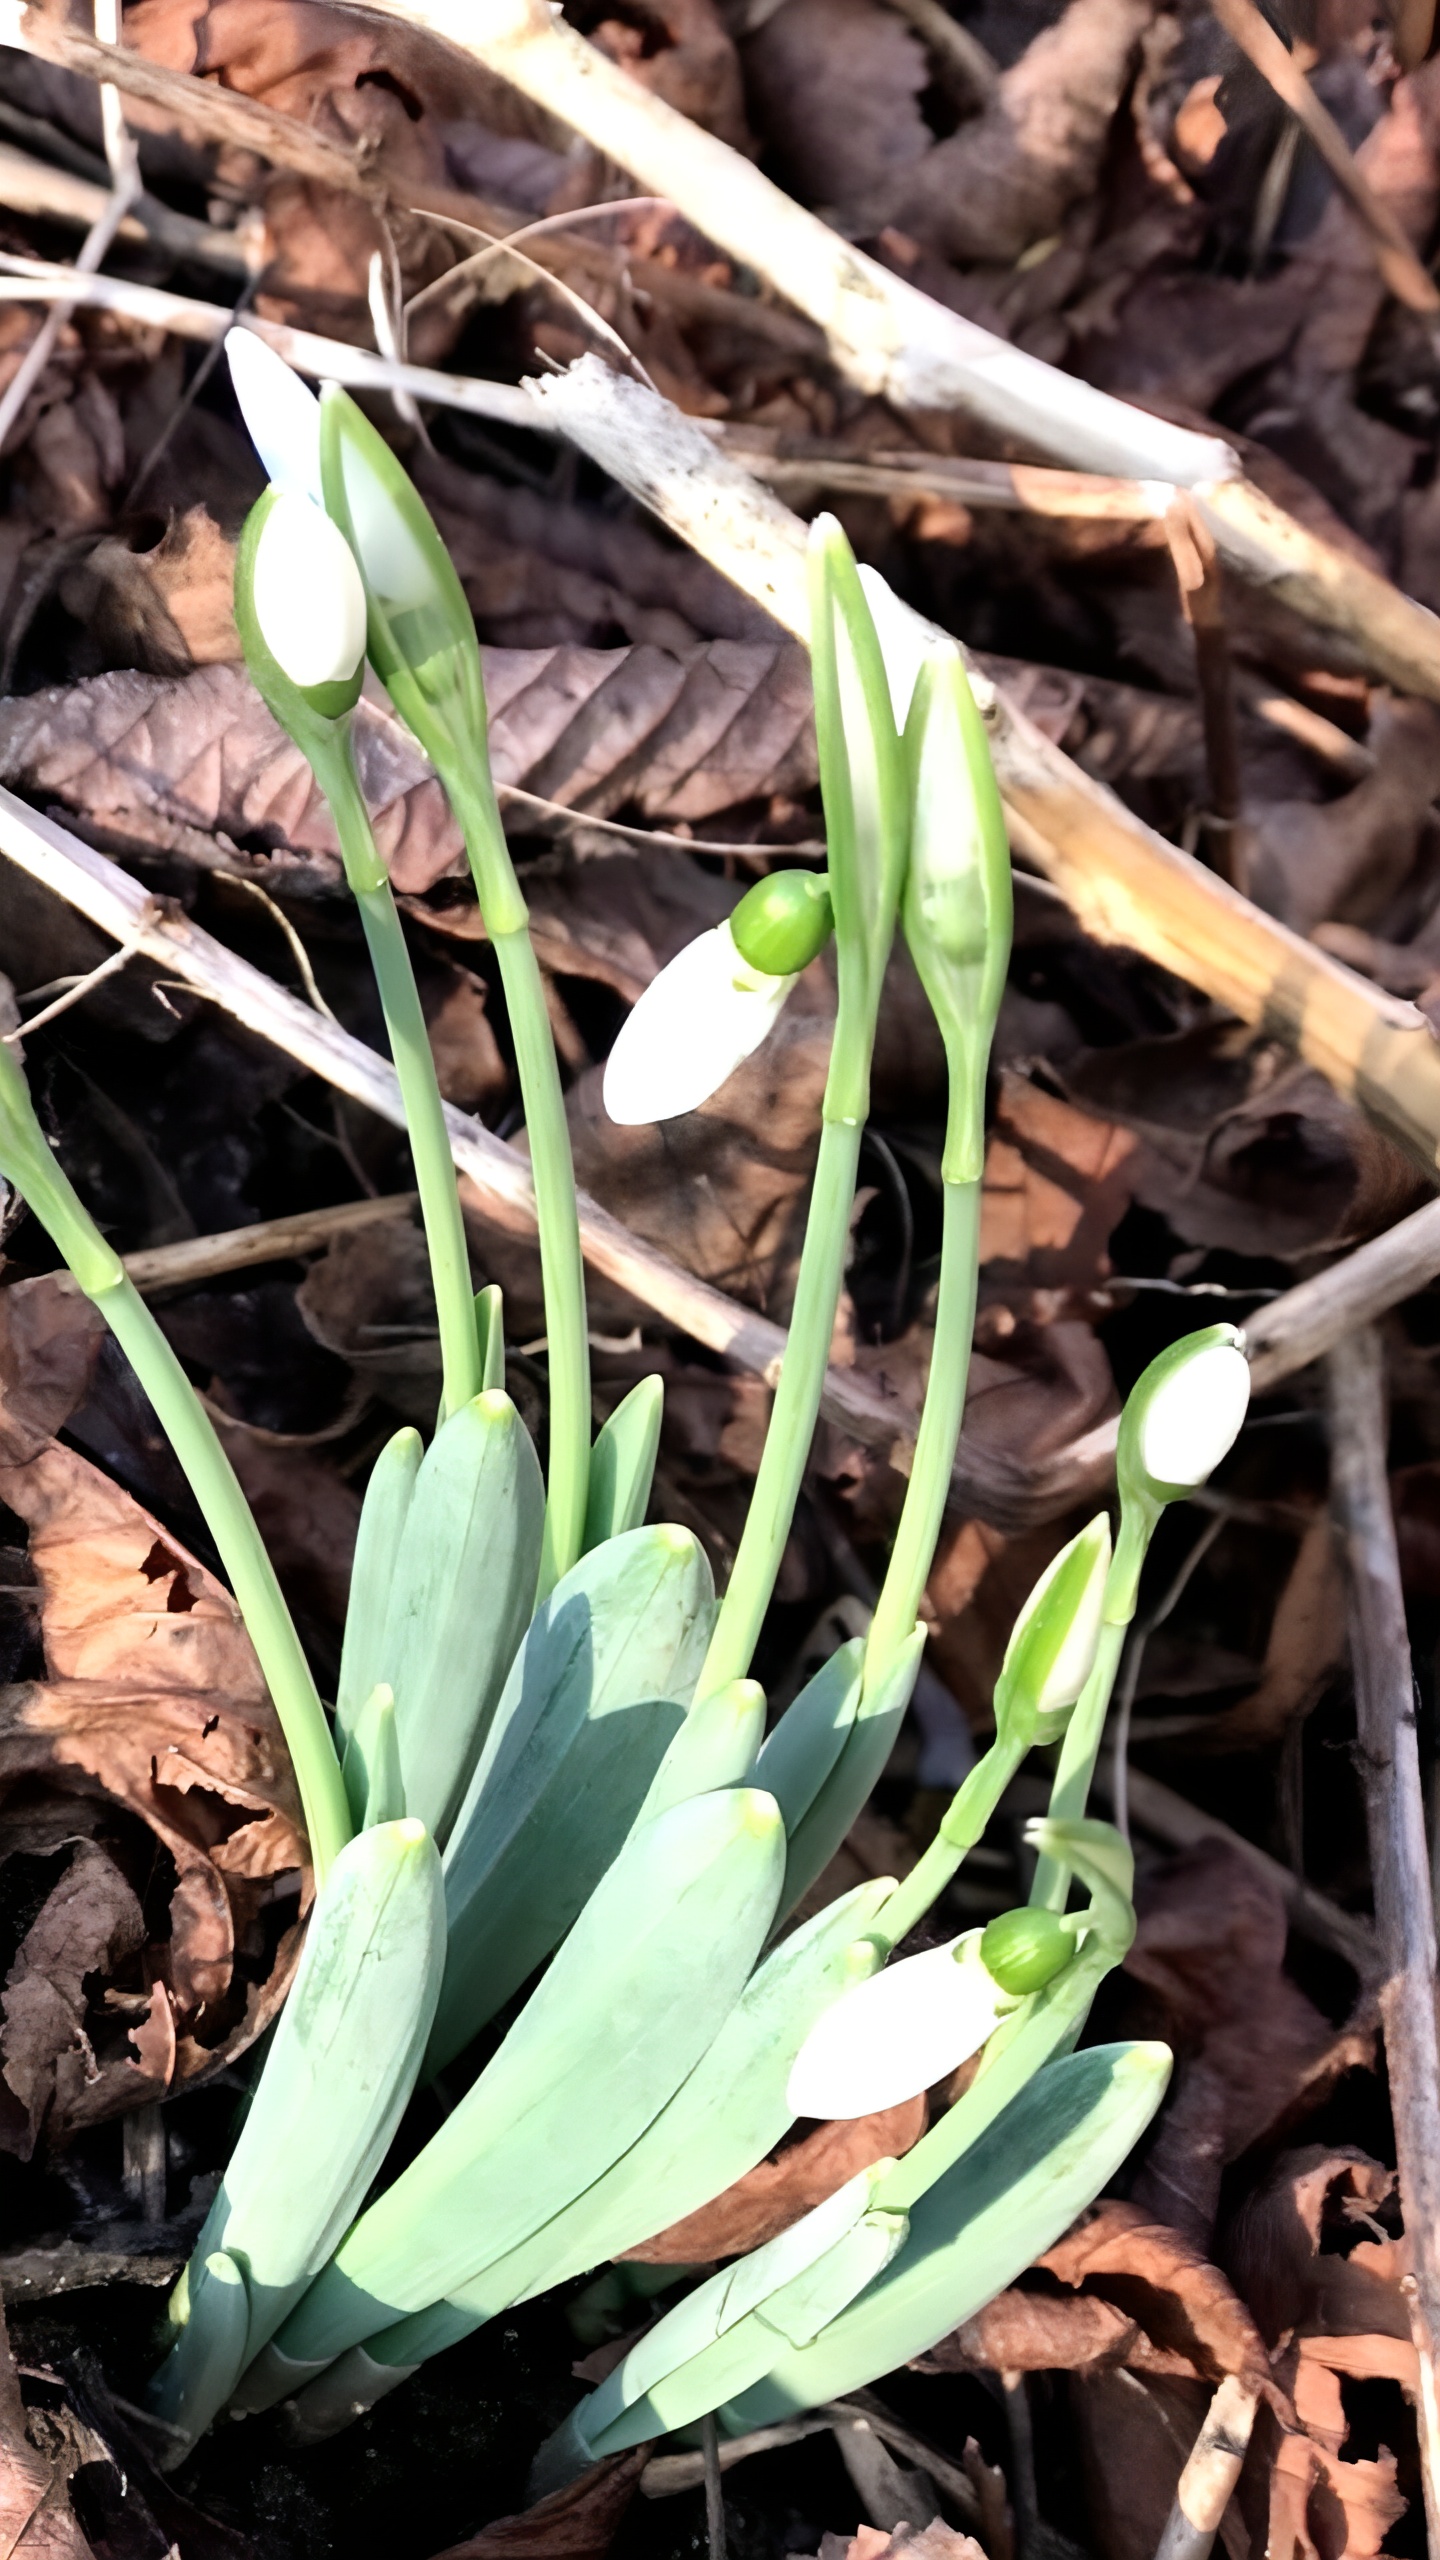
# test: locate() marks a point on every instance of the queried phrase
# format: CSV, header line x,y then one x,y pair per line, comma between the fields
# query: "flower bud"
x,y
957,902
784,922
1185,1413
306,595
1025,1949
1053,1643
281,414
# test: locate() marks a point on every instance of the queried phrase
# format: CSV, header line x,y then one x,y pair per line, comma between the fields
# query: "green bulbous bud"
x,y
1026,1949
784,923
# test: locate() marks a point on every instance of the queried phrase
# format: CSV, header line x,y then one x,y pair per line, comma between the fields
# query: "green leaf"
x,y
809,1737
490,1334
461,1594
725,2335
593,1697
197,2377
374,1787
339,2071
728,2116
998,2209
622,1463
716,1746
637,1993
868,1743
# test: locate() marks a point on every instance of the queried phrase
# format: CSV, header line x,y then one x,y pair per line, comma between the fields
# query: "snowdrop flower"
x,y
1052,1646
896,2034
905,638
1193,1411
306,594
281,414
711,1007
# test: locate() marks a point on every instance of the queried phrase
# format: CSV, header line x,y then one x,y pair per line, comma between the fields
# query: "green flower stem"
x,y
963,1824
797,1403
898,1605
27,1162
1079,1752
410,1049
562,1268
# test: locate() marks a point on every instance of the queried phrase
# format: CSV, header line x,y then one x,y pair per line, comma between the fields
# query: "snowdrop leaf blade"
x,y
622,1636
806,1743
472,1527
635,1996
200,2372
716,1746
868,1744
1044,2159
622,1463
382,1517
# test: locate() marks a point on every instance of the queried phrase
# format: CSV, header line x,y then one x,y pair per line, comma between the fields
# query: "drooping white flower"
x,y
306,593
280,412
1194,1414
695,1023
896,2034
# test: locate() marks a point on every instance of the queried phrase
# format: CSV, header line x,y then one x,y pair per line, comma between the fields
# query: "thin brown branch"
x,y
1399,1859
1216,2459
1407,278
1122,881
1202,601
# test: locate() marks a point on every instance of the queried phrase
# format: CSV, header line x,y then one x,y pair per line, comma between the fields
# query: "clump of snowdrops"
x,y
547,1770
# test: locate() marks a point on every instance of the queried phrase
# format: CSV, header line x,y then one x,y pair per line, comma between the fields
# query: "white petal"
x,y
905,638
690,1030
897,2033
307,594
1194,1415
280,411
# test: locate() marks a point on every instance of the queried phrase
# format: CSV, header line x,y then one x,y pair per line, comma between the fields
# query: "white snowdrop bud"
x,y
693,1026
306,594
898,2033
1194,1414
280,412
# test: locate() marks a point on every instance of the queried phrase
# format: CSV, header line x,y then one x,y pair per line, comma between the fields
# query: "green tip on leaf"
x,y
784,923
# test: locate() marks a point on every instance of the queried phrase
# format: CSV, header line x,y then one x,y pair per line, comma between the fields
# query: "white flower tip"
x,y
693,1026
1194,1415
281,414
1075,1659
307,595
906,640
887,2039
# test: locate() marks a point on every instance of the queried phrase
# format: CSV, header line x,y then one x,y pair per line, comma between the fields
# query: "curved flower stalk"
x,y
1181,1417
421,641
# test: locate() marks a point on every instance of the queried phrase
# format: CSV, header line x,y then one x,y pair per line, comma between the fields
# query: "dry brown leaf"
x,y
1135,2433
1291,2247
678,48
769,2198
1210,1947
150,1751
1056,1187
1181,2300
1306,1641
576,2523
674,736
1023,2332
1008,177
936,2541
836,85
1346,859
36,2520
50,1340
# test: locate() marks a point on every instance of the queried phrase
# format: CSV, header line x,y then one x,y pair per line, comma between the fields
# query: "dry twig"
x,y
1399,1858
1203,2491
1123,882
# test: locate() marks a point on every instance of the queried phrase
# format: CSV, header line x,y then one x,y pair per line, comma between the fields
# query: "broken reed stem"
x,y
1124,883
1399,1858
1010,1492
1202,601
893,342
1215,2463
57,195
1404,273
